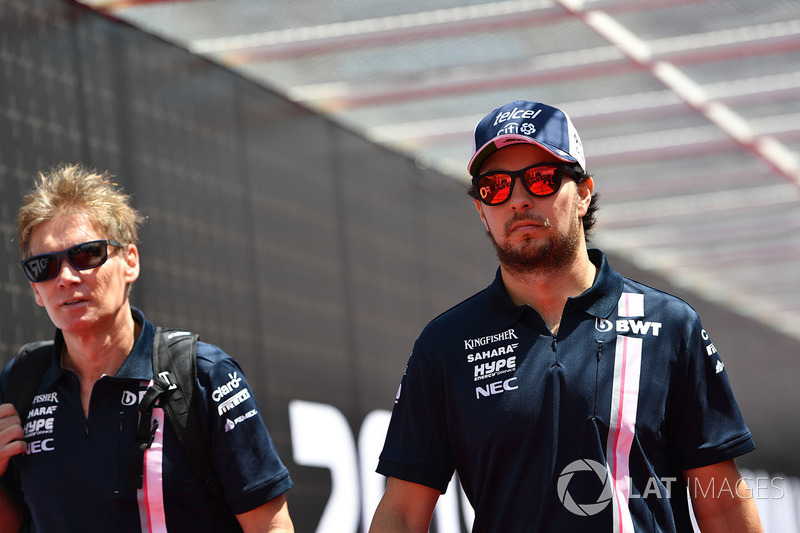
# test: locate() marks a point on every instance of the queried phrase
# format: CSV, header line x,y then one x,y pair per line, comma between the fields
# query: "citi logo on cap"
x,y
526,128
509,129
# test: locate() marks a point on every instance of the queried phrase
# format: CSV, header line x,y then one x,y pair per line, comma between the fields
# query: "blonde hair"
x,y
70,189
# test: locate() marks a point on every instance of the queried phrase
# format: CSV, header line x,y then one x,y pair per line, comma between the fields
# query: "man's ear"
x,y
131,258
36,295
479,207
585,190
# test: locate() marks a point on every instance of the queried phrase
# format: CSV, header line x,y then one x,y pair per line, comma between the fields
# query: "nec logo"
x,y
498,387
637,327
38,446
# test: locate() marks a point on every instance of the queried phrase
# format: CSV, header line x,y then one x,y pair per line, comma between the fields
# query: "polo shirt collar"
x,y
139,363
599,300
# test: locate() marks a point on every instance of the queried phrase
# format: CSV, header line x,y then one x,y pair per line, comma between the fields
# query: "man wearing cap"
x,y
566,396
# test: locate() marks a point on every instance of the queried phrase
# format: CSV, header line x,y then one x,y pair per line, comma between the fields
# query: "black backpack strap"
x,y
174,387
175,363
146,430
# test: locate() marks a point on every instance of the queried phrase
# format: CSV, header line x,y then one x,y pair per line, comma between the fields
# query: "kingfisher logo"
x,y
44,398
471,344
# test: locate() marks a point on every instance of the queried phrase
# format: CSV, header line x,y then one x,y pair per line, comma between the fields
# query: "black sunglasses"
x,y
544,179
82,256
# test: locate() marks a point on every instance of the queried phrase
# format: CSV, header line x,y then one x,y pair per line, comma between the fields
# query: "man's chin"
x,y
528,257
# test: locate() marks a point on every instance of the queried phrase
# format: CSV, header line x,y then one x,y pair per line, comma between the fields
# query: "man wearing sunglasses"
x,y
565,396
73,450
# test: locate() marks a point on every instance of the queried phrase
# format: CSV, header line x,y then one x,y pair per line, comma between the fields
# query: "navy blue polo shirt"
x,y
75,473
587,430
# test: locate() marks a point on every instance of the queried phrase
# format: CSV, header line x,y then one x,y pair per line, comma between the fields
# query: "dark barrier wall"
x,y
309,254
306,252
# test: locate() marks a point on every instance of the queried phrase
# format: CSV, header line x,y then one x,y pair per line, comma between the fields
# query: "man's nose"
x,y
520,197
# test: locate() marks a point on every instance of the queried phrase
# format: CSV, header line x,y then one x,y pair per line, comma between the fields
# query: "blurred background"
x,y
302,167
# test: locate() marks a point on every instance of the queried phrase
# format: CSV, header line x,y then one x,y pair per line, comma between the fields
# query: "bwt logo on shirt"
x,y
131,398
636,327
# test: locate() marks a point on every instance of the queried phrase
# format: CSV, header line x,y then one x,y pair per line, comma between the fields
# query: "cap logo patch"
x,y
516,114
509,129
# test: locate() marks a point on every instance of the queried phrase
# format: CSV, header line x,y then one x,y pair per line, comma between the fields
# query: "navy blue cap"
x,y
523,122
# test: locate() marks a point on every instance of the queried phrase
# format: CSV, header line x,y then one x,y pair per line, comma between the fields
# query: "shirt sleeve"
x,y
707,426
417,447
8,480
244,455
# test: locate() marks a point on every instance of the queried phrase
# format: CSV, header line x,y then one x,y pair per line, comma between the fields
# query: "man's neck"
x,y
547,291
100,351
